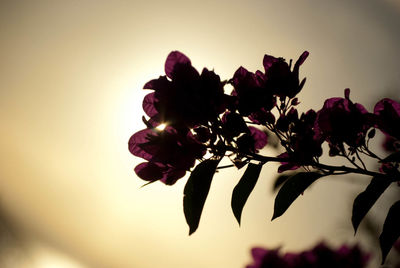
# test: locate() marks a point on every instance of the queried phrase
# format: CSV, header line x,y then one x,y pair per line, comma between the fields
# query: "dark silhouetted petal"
x,y
260,138
268,61
136,140
148,105
388,117
174,58
162,83
149,171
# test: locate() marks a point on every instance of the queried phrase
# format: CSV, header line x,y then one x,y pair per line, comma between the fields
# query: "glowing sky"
x,y
71,77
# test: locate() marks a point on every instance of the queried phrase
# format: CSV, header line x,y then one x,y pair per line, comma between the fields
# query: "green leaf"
x,y
244,188
292,188
391,230
394,157
196,191
365,200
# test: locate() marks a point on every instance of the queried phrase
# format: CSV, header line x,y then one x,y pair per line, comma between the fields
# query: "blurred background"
x,y
71,78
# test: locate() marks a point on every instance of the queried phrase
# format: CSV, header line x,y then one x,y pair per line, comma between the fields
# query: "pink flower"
x,y
170,153
342,121
184,97
319,256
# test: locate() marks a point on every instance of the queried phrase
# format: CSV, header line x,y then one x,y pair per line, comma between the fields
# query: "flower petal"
x,y
260,138
138,138
268,61
149,171
148,105
173,58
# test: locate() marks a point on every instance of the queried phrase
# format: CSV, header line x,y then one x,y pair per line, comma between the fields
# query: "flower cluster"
x,y
170,153
319,256
204,124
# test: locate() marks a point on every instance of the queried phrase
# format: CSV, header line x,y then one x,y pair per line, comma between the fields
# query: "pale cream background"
x,y
71,74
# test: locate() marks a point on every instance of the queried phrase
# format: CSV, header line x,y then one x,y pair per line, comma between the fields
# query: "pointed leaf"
x,y
244,188
365,200
391,230
196,191
292,188
394,157
281,179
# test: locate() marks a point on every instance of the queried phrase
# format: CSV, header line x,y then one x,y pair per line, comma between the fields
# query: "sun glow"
x,y
161,127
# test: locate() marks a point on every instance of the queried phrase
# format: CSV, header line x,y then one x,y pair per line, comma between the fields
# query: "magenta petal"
x,y
258,253
361,108
260,138
239,75
172,175
148,105
149,171
268,61
380,106
158,84
136,140
150,84
173,58
287,166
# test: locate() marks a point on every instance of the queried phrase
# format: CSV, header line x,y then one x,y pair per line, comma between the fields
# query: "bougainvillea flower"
x,y
252,141
342,121
150,171
170,153
387,113
320,256
233,124
183,96
287,165
266,258
280,79
251,93
262,117
304,143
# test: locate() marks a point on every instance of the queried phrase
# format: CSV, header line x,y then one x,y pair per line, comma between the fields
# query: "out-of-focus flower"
x,y
170,153
387,112
183,96
321,256
342,121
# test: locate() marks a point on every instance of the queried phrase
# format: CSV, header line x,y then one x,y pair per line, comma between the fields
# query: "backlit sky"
x,y
71,78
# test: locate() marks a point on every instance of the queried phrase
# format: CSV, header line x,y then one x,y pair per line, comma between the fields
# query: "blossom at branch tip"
x,y
387,112
280,79
184,96
251,92
256,93
342,121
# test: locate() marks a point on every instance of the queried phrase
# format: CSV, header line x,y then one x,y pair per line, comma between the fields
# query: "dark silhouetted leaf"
x,y
394,157
196,191
292,188
391,230
243,189
281,179
365,200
